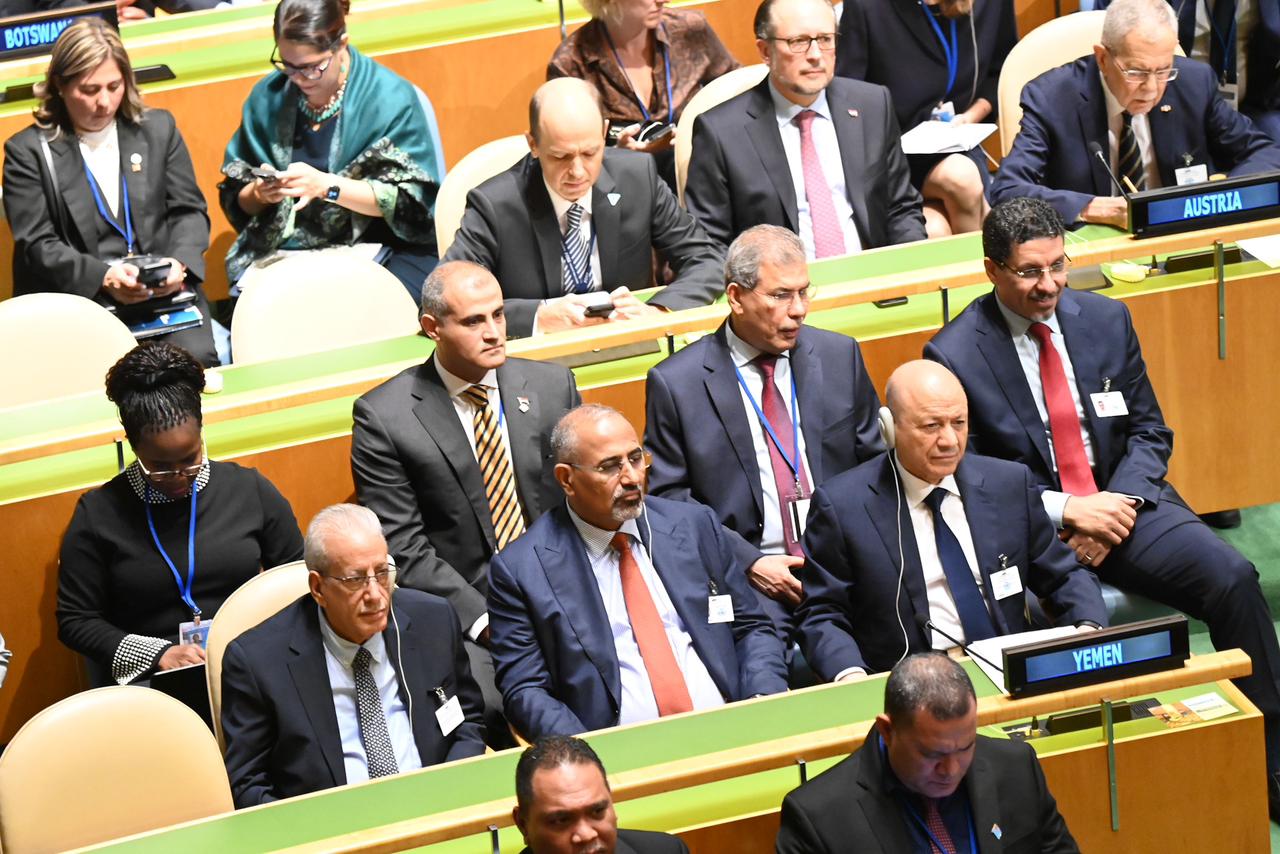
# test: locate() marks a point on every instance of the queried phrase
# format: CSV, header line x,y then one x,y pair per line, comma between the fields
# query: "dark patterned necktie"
x,y
1130,155
379,755
576,272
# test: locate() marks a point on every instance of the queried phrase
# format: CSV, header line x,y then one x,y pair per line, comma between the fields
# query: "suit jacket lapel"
x,y
1092,115
82,213
438,417
133,142
412,657
546,230
807,370
726,398
1084,349
311,680
762,128
983,516
607,218
884,814
520,408
564,563
984,803
887,505
852,135
997,348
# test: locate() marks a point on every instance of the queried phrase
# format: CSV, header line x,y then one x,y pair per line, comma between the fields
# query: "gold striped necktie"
x,y
495,466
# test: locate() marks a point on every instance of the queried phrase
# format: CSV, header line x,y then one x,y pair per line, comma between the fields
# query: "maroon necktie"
x,y
1074,473
779,418
828,238
938,829
669,688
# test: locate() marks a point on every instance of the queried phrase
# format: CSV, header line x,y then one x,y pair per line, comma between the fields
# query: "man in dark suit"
x,y
924,764
1056,381
1156,117
819,156
323,693
573,218
960,535
564,805
418,438
707,408
613,608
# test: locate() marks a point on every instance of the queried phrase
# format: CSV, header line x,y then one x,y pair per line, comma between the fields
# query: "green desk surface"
x,y
199,59
348,810
78,469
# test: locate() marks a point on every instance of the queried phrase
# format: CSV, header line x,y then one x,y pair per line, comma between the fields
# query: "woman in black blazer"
x,y
99,179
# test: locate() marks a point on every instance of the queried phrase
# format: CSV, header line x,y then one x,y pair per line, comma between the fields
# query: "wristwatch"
x,y
332,194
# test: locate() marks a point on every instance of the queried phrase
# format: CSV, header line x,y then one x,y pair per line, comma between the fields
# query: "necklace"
x,y
329,110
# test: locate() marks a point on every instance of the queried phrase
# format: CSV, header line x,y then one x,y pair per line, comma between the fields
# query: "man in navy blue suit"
x,y
614,608
1155,116
928,534
707,410
326,693
1056,381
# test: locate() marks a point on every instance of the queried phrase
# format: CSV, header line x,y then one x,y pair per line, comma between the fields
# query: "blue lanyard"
x,y
1225,42
950,51
183,589
127,231
793,462
579,286
666,61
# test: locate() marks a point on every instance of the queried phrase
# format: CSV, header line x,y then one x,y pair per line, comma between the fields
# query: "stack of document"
x,y
944,137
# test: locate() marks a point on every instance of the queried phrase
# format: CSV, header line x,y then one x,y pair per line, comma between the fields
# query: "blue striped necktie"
x,y
576,275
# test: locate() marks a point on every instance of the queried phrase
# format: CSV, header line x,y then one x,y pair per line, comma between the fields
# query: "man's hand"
x,y
627,307
1090,551
181,656
126,11
566,312
121,284
485,638
1107,210
627,139
772,576
853,675
1105,516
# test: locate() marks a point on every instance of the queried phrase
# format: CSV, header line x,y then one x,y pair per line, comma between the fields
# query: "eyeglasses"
x,y
356,583
639,460
1034,274
800,44
1140,75
781,298
313,71
175,475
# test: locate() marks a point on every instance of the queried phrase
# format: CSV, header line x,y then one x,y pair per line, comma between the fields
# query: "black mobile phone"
x,y
601,304
654,131
267,174
152,270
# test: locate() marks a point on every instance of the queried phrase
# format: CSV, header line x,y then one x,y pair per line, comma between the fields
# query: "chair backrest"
x,y
315,301
104,764
716,92
262,596
478,166
53,345
1053,43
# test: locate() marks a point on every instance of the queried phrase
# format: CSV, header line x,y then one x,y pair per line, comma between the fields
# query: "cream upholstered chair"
x,y
38,360
104,764
1053,43
316,301
262,596
478,166
716,92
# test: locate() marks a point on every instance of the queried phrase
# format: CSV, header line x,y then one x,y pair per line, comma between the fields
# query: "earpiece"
x,y
404,676
886,428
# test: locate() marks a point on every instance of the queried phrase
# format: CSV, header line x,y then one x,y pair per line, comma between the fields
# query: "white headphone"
x,y
886,428
885,417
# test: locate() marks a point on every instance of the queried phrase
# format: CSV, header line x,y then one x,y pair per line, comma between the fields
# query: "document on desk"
x,y
944,137
1265,249
993,649
1202,707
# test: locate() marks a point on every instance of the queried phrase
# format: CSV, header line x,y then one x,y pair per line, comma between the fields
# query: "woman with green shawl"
x,y
333,150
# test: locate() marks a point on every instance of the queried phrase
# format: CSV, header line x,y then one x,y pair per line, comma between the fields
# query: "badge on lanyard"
x,y
719,606
196,630
449,715
799,510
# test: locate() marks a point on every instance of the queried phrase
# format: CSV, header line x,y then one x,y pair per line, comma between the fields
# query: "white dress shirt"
x,y
455,386
339,653
101,152
638,703
1141,130
561,206
742,353
828,146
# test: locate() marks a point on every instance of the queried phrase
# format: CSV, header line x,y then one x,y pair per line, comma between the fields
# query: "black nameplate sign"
x,y
34,34
1208,204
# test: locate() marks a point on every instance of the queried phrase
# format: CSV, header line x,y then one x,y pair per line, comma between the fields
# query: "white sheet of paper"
x,y
944,137
993,648
1265,249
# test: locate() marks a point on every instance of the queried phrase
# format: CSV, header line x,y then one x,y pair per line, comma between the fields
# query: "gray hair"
x,y
756,246
564,438
931,681
1145,17
335,521
433,301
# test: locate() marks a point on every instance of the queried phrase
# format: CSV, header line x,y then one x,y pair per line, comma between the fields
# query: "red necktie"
x,y
828,239
1074,473
775,412
941,836
669,688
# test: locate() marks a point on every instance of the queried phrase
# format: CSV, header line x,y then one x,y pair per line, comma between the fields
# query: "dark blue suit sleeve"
x,y
1071,591
1236,143
1149,442
826,635
664,439
528,691
248,725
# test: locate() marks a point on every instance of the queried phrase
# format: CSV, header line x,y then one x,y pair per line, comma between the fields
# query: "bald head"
x,y
930,419
566,134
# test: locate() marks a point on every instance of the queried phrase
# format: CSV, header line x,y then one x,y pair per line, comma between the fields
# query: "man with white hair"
x,y
1157,118
344,685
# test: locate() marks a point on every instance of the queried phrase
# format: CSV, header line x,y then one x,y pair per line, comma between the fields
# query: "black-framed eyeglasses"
x,y
356,583
175,475
639,460
1034,274
826,42
311,71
